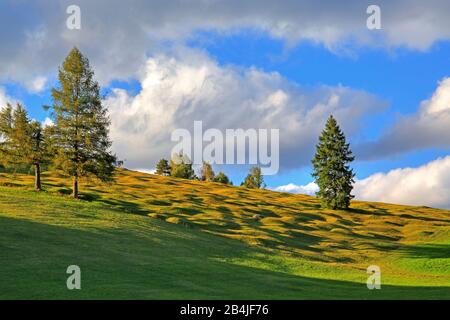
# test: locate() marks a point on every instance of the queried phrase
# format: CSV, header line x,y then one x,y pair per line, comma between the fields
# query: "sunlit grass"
x,y
149,236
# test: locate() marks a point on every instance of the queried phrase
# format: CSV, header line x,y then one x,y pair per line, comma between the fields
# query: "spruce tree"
x,y
332,173
81,123
222,178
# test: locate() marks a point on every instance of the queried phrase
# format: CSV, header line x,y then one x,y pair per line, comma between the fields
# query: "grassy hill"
x,y
152,237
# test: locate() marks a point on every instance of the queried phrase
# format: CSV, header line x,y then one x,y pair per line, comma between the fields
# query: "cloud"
x,y
47,122
36,85
117,35
5,99
188,85
151,171
425,185
429,127
309,189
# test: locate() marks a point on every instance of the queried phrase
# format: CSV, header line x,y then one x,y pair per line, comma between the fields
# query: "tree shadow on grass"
x,y
429,251
384,212
90,196
373,211
169,263
409,216
126,206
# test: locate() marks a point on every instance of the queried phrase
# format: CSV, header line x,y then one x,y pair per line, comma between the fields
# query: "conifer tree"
x,y
206,172
332,173
163,168
40,150
181,167
222,178
81,123
24,142
7,156
254,179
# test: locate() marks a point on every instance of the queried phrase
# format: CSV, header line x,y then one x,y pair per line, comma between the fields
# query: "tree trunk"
x,y
37,177
75,188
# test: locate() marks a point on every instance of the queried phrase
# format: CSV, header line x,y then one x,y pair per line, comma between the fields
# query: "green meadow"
x,y
154,237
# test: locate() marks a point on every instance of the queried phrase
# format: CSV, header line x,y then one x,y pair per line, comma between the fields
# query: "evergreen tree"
x,y
331,170
206,172
254,179
81,123
181,167
222,178
163,168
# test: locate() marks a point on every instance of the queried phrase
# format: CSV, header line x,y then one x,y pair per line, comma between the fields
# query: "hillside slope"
x,y
148,236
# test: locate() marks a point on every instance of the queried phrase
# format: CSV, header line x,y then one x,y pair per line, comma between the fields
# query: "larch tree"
x,y
7,156
24,142
40,150
206,172
81,130
332,173
254,179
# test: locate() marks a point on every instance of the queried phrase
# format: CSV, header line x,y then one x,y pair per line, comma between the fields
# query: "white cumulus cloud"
x,y
188,85
428,185
47,122
5,99
37,84
309,189
428,127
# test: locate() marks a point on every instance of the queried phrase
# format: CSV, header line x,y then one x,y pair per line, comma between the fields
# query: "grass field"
x,y
152,237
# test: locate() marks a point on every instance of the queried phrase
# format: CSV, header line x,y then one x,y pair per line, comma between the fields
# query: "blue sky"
x,y
402,77
153,59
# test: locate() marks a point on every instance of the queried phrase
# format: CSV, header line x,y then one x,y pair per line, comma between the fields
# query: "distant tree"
x,y
181,167
206,172
24,142
81,123
163,168
6,120
8,156
331,171
119,163
40,151
222,178
254,179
